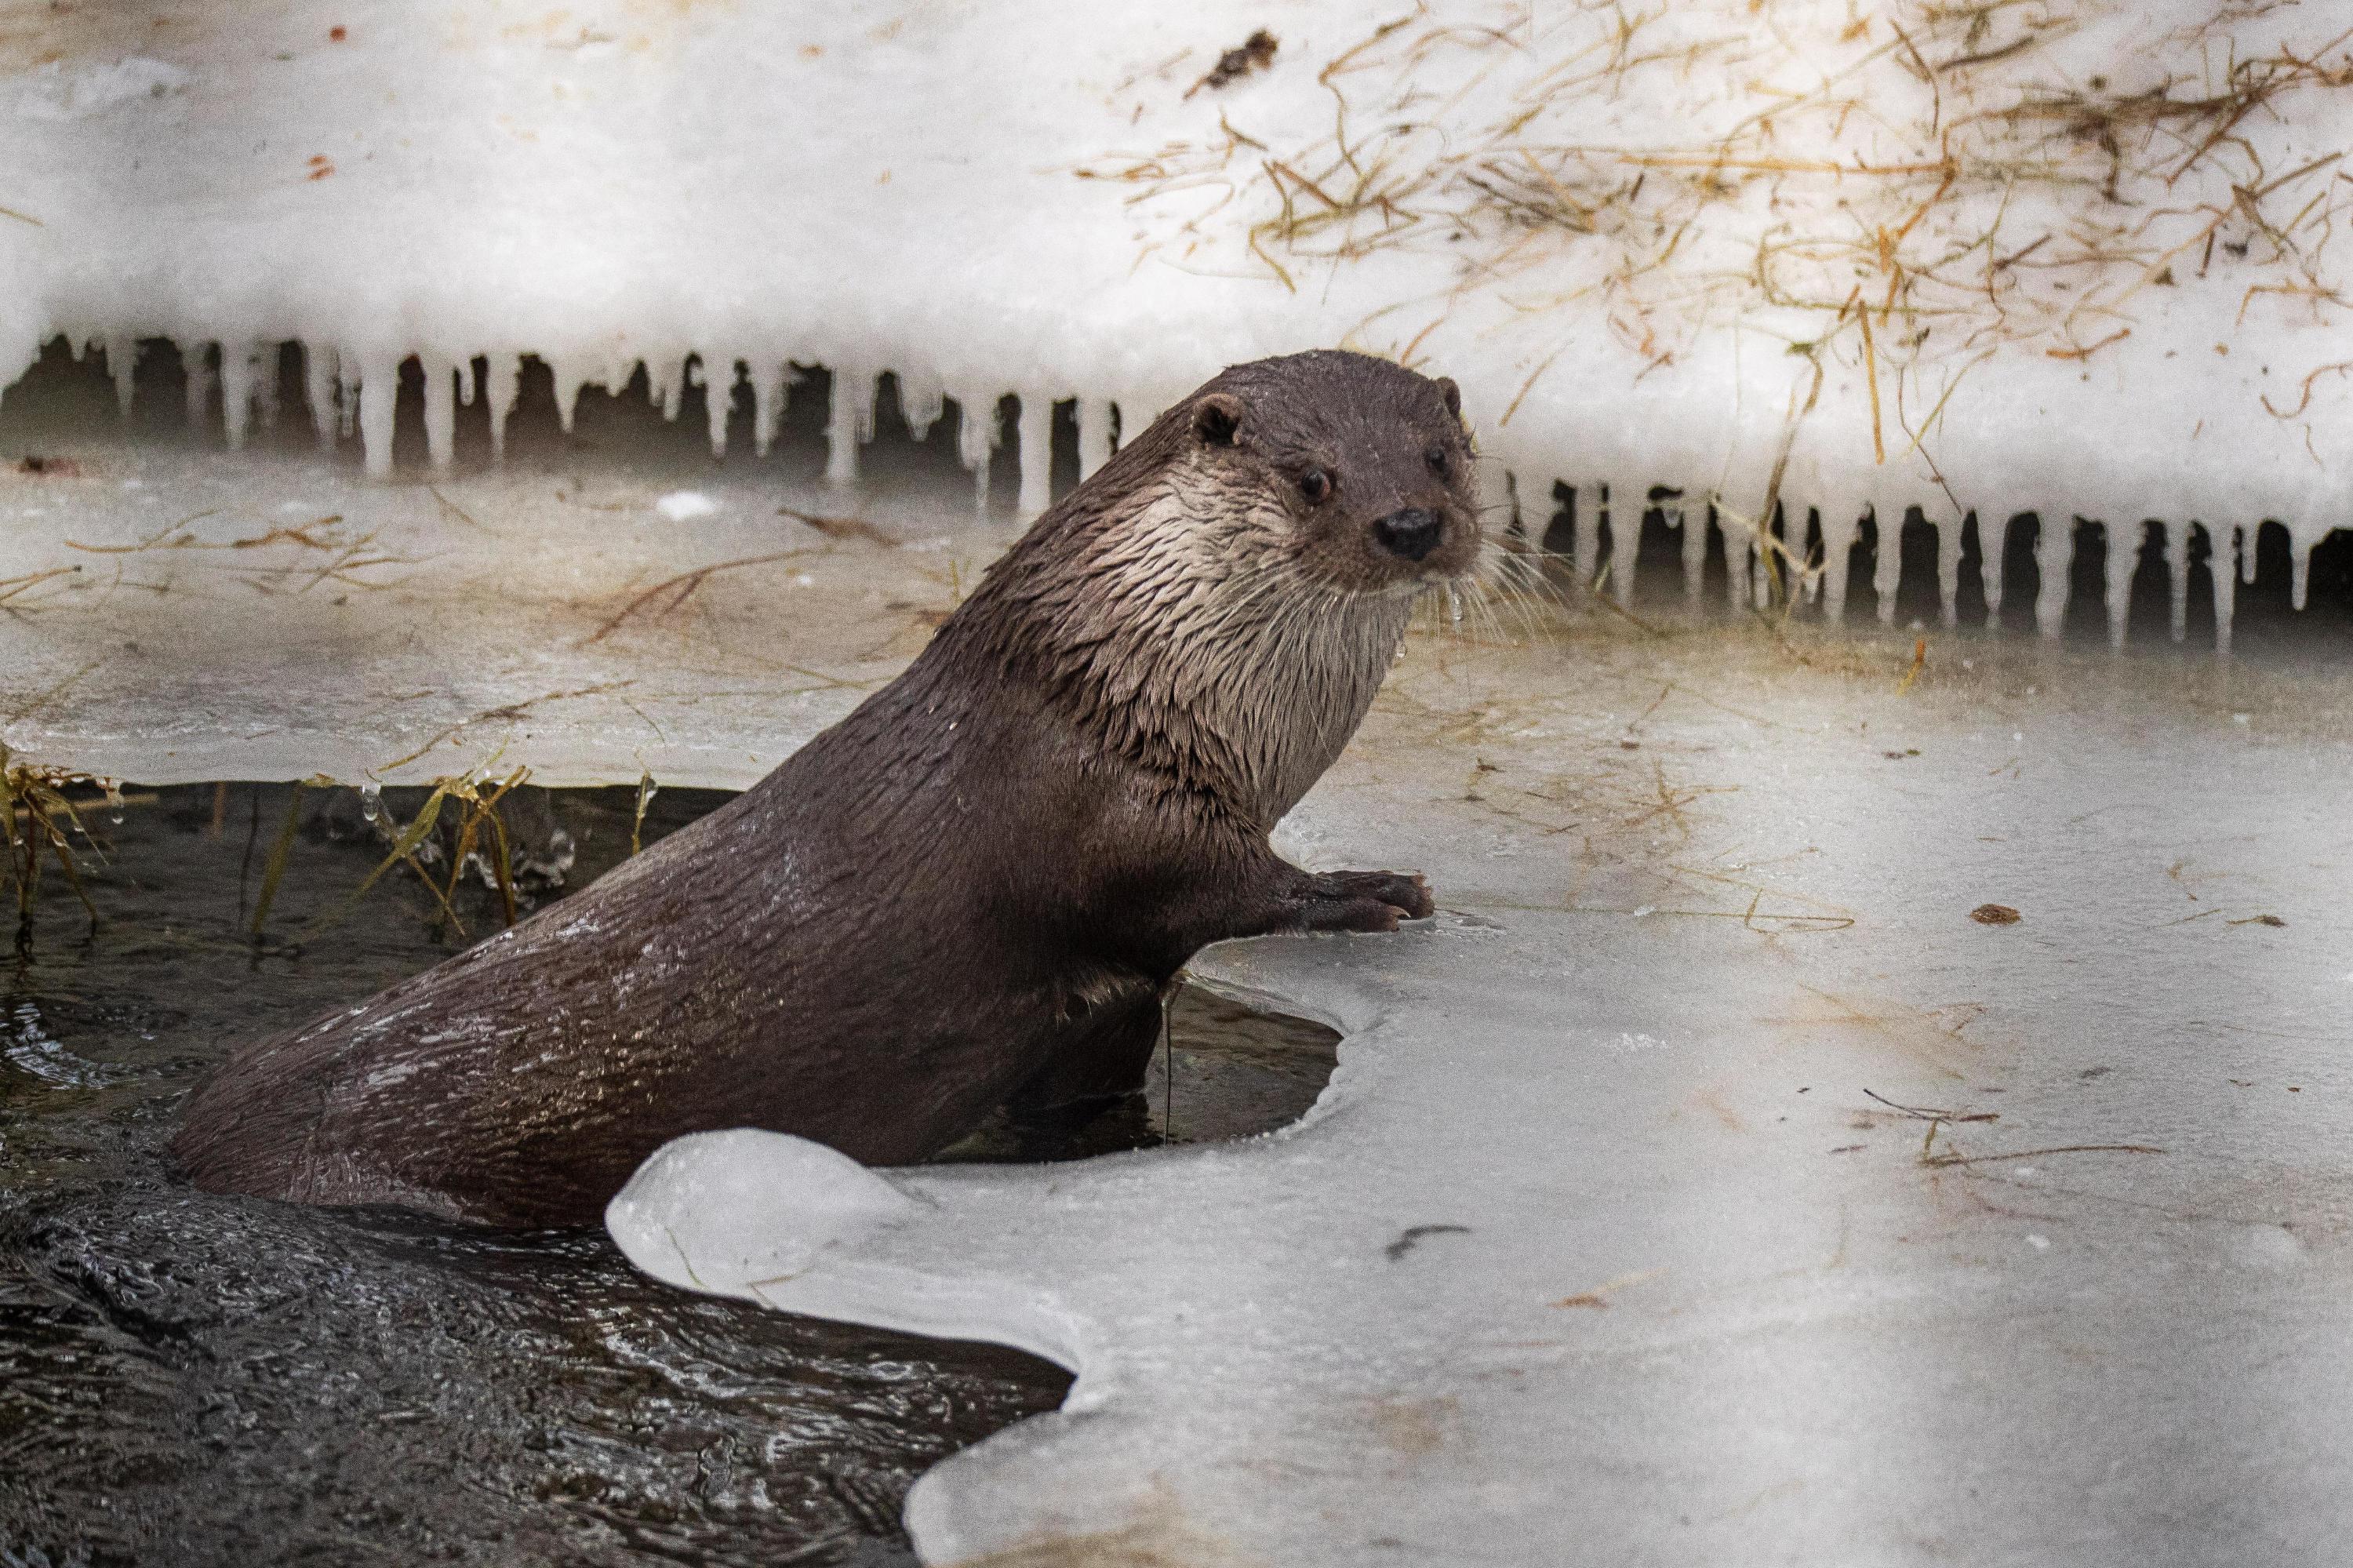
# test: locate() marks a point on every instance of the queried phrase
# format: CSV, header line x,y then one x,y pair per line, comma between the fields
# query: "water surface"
x,y
193,1380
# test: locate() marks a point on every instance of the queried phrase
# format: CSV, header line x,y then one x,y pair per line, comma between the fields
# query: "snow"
x,y
683,506
1669,248
50,93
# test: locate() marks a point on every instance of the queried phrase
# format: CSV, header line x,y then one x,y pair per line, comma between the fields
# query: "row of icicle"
x,y
1750,584
350,394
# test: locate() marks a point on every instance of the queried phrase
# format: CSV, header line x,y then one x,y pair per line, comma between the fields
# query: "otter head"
x,y
1362,466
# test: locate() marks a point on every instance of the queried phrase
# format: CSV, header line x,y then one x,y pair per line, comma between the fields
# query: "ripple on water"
x,y
199,1380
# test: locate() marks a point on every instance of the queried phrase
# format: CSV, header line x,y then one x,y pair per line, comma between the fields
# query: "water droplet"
x,y
371,801
115,802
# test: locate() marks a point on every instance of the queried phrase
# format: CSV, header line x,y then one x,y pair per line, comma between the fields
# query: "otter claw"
x,y
1347,914
1406,892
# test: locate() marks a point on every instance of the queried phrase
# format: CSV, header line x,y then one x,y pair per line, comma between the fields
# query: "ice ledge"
x,y
792,1225
1732,1191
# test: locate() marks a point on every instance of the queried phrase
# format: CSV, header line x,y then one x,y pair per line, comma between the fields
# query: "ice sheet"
x,y
1655,952
173,617
2071,256
1706,1184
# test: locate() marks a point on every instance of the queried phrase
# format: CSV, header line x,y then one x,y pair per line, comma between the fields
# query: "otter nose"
x,y
1412,532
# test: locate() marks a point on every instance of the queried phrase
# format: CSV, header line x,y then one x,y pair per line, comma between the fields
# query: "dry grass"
x,y
672,592
37,824
477,835
284,558
1924,188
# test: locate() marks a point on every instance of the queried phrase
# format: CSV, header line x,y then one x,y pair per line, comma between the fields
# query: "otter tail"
x,y
247,1127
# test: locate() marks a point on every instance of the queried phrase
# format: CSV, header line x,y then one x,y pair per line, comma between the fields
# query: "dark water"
x,y
192,1380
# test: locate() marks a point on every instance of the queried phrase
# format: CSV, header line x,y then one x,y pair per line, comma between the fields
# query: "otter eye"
x,y
1438,464
1315,486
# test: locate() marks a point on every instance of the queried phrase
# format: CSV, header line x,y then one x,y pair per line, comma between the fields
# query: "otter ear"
x,y
1452,394
1216,417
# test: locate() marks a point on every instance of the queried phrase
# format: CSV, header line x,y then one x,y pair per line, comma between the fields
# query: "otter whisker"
x,y
1489,592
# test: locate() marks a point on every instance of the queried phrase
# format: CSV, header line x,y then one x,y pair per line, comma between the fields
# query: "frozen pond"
x,y
1706,1181
1730,1177
1874,1099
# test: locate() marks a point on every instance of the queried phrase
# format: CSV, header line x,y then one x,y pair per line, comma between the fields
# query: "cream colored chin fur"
x,y
1214,641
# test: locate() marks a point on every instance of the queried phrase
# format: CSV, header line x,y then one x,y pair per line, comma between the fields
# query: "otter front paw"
x,y
1365,901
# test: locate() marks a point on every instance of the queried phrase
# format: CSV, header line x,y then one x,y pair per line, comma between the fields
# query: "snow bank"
x,y
2078,258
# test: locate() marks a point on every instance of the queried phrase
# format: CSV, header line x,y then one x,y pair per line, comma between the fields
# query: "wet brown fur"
x,y
974,887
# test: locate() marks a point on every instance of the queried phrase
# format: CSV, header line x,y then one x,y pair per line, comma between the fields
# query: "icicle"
x,y
199,388
470,383
499,395
921,402
977,438
1887,555
2222,543
347,394
2123,555
1627,503
1690,516
718,399
1584,501
237,392
1948,569
440,410
569,380
2299,560
2247,537
379,393
318,390
1094,435
265,383
2176,570
670,390
1841,521
862,421
768,407
2054,558
1739,552
1989,554
851,389
1036,439
122,364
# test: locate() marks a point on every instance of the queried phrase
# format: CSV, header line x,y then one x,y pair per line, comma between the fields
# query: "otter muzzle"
x,y
1411,533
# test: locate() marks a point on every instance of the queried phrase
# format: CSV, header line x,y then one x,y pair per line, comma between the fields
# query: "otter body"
x,y
975,887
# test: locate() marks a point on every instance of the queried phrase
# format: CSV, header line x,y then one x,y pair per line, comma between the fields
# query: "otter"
x,y
975,889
